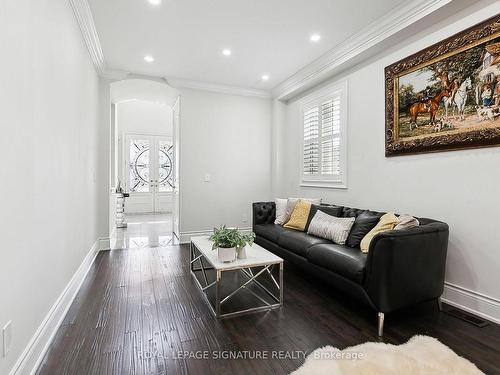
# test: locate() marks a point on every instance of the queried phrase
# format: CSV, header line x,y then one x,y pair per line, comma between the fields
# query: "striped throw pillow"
x,y
332,228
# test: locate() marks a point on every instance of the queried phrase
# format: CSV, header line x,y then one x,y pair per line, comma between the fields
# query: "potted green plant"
x,y
230,242
243,240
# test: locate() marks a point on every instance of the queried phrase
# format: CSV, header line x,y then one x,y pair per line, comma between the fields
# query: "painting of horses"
x,y
447,96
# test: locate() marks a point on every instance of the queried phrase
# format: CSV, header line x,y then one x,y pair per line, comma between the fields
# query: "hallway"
x,y
144,230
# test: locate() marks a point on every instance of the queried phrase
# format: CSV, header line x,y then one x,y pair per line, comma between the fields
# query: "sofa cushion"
x,y
331,210
364,223
270,232
333,228
280,210
386,223
351,212
298,242
343,260
300,213
406,221
291,202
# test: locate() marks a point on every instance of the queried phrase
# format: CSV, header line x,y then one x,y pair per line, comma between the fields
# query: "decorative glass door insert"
x,y
165,171
149,173
139,166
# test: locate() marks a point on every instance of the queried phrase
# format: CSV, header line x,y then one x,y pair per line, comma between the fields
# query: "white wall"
x,y
52,178
139,116
228,137
460,188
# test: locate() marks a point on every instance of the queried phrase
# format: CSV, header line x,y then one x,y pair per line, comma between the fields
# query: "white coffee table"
x,y
257,257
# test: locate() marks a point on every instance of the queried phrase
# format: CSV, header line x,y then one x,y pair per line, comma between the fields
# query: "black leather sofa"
x,y
402,268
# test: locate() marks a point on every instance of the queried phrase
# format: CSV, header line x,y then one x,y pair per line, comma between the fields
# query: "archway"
x,y
143,162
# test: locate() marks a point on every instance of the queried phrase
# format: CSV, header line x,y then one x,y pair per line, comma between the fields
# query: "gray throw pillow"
x,y
332,228
406,221
328,209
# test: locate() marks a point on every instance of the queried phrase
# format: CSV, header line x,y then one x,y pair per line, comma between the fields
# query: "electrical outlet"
x,y
244,218
7,338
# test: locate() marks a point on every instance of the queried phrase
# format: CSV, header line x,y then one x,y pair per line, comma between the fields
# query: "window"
x,y
324,138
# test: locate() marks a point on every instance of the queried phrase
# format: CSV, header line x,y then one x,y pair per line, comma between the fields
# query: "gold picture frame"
x,y
447,96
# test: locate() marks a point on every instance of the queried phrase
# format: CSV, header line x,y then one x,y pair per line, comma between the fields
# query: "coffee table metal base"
x,y
277,297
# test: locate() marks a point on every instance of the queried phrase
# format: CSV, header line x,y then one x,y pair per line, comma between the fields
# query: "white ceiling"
x,y
186,37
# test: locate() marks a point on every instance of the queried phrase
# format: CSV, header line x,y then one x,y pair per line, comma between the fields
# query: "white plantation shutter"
x,y
330,112
323,153
330,137
311,145
330,150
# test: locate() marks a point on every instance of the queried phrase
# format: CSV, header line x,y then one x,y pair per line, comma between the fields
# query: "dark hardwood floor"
x,y
139,310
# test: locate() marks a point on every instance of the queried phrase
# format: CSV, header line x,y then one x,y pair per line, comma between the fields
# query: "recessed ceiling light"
x,y
149,58
226,52
315,37
155,2
265,77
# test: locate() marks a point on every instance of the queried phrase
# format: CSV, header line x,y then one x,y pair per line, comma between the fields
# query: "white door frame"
x,y
176,211
162,199
154,200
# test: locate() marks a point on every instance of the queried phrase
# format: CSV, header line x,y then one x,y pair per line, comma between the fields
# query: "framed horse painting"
x,y
447,96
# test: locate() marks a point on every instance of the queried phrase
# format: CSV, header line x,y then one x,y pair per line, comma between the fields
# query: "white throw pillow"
x,y
332,228
280,210
292,202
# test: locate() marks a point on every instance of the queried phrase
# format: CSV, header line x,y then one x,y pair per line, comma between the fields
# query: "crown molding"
x,y
83,14
319,70
376,32
85,20
214,87
114,74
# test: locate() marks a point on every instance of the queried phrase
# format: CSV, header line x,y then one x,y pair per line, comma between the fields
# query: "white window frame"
x,y
316,99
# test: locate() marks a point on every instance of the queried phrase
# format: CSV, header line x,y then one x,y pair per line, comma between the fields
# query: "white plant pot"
x,y
242,253
226,254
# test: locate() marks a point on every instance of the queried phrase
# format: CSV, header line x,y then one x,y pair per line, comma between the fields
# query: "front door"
x,y
148,173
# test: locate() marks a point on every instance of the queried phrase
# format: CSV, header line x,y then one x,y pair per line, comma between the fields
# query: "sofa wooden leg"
x,y
380,324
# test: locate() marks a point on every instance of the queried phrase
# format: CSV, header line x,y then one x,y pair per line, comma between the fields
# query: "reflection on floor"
x,y
144,230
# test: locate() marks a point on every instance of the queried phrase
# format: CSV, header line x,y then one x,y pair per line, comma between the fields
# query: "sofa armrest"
x,y
263,213
406,266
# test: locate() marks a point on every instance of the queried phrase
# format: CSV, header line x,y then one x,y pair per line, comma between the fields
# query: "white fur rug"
x,y
422,355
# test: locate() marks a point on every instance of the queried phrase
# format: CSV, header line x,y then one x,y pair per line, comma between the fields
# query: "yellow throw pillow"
x,y
386,222
299,216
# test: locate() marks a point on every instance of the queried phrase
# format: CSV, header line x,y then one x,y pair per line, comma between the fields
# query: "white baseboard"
x,y
186,236
476,303
104,243
34,352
